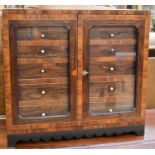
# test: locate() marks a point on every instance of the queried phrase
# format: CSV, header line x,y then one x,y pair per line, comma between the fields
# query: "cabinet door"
x,y
43,70
112,57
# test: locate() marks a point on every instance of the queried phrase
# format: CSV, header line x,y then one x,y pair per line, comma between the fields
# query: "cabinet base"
x,y
75,134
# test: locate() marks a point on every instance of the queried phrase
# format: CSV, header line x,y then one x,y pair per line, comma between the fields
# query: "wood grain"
x,y
53,68
34,33
151,85
104,32
99,50
119,68
2,104
35,51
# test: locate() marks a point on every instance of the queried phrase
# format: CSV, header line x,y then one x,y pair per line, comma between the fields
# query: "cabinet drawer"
x,y
42,51
43,100
112,50
112,68
115,94
43,91
44,33
111,32
42,68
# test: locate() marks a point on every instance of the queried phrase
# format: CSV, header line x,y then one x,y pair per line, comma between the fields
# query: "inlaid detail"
x,y
42,70
111,88
111,68
85,72
43,114
112,35
112,49
110,110
42,35
42,51
43,92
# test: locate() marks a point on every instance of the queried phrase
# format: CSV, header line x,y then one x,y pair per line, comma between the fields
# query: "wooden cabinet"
x,y
74,73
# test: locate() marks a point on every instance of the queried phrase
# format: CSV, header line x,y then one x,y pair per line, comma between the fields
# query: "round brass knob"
x,y
42,51
43,92
42,70
43,114
112,88
110,110
112,35
42,35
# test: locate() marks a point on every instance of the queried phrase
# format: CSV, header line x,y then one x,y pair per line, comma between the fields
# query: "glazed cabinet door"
x,y
111,71
43,67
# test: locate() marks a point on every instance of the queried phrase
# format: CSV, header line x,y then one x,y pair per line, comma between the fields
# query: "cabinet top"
x,y
76,10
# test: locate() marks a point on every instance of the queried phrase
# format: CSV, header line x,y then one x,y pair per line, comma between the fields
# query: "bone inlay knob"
x,y
112,50
42,70
111,68
112,35
42,35
43,92
43,114
42,51
110,110
111,88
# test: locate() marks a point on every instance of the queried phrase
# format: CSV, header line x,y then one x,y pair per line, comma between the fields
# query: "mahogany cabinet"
x,y
74,73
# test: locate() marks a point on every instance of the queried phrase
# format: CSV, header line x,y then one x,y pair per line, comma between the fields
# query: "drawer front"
x,y
101,32
43,33
43,68
111,94
109,67
42,51
44,62
109,50
43,100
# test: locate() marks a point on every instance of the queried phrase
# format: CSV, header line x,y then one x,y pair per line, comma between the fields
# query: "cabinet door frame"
x,y
12,22
141,22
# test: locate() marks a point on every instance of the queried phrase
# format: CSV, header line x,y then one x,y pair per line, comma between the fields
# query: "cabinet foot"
x,y
11,142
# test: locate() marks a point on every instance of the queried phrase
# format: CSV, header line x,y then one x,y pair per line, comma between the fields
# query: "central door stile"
x,y
80,68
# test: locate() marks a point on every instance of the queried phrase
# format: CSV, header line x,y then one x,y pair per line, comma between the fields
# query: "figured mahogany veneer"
x,y
74,73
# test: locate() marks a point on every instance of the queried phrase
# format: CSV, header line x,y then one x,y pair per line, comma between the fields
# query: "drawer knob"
x,y
112,35
111,88
42,70
112,50
42,51
84,72
111,68
43,114
43,92
110,110
43,35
